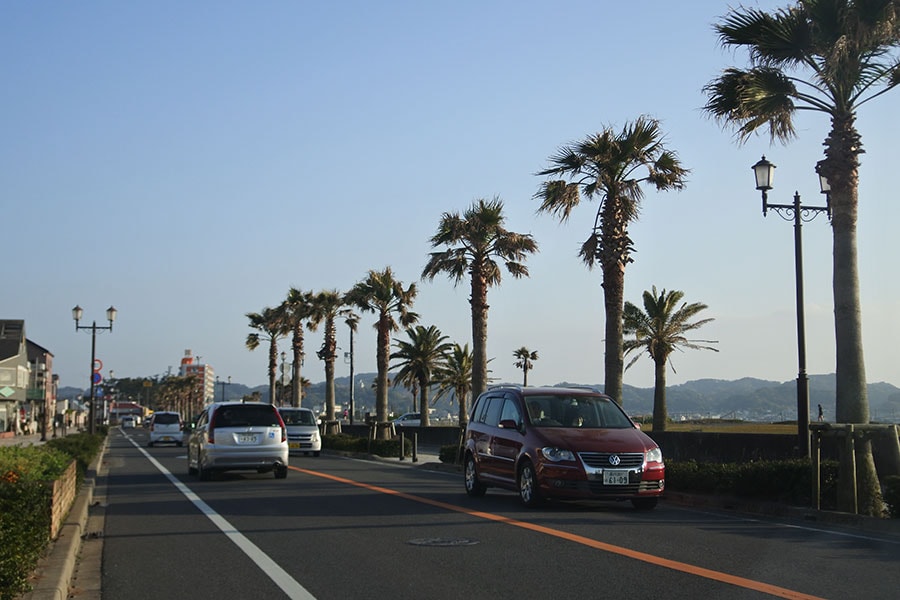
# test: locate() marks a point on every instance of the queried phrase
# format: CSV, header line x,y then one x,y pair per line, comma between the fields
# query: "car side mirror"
x,y
509,424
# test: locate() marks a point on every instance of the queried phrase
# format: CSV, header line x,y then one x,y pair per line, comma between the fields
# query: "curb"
x,y
56,570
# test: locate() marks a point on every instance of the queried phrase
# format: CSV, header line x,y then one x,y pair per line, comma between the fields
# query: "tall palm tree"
x,y
475,241
455,376
296,309
382,294
271,326
327,306
614,167
660,330
828,56
419,359
352,321
525,361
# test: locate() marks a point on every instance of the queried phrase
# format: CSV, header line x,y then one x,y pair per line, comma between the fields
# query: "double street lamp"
x,y
798,213
77,313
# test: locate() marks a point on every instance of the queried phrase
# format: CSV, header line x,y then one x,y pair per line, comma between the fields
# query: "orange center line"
x,y
675,565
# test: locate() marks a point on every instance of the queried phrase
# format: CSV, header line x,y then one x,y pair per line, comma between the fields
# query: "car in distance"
x,y
302,431
232,436
166,427
127,422
408,420
555,442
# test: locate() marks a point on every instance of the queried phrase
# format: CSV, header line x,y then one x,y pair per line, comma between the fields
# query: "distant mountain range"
x,y
747,399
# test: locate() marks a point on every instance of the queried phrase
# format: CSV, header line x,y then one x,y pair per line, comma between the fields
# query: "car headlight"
x,y
654,455
315,437
557,454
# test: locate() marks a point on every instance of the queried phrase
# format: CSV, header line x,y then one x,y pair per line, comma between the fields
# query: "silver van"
x,y
233,436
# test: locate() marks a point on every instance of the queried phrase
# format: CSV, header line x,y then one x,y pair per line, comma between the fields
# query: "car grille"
x,y
300,437
600,460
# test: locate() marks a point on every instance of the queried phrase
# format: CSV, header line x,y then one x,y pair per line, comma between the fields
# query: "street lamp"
x,y
96,378
798,213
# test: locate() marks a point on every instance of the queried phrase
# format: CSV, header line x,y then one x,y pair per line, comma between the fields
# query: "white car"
x,y
302,431
127,422
408,420
166,427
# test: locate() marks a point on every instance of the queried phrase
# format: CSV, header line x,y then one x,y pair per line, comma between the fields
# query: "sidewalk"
x,y
22,440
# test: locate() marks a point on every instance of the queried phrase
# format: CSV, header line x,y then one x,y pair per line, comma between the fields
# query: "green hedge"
x,y
892,494
348,443
26,478
788,481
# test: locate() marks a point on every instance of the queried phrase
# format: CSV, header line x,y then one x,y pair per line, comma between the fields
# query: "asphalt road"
x,y
341,528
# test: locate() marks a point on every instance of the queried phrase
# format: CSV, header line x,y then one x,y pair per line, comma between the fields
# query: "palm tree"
x,y
419,359
847,49
325,307
296,308
385,296
271,325
475,239
613,167
525,362
455,376
660,330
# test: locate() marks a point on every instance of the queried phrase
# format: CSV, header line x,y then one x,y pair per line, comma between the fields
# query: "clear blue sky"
x,y
190,162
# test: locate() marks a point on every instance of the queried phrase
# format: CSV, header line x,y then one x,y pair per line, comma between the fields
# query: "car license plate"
x,y
293,444
166,438
246,438
615,477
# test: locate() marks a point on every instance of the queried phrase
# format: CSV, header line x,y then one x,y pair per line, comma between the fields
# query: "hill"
x,y
747,399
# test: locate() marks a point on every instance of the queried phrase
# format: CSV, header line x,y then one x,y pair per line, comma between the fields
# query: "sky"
x,y
189,163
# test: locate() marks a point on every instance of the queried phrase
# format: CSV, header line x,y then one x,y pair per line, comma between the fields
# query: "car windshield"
x,y
165,419
244,415
566,410
298,417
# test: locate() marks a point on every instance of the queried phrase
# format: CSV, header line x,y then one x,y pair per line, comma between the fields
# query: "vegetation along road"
x,y
345,528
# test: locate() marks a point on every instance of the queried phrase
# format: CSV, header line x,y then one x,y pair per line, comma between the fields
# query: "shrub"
x,y
788,481
892,494
83,447
451,454
348,443
26,476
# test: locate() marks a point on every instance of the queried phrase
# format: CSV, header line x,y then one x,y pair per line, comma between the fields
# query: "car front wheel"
x,y
529,493
474,487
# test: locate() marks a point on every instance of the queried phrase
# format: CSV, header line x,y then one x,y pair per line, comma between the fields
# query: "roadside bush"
x,y
26,476
451,454
344,442
892,495
83,447
788,481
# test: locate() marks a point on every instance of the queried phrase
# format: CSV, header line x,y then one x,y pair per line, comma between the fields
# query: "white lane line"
x,y
282,579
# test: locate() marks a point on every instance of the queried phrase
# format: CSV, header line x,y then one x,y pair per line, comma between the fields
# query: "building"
x,y
13,374
205,374
27,383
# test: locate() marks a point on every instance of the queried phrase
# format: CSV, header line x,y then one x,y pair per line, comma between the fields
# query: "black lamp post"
x,y
77,313
798,213
223,386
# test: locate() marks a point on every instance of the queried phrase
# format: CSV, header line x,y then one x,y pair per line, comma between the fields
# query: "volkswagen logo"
x,y
614,460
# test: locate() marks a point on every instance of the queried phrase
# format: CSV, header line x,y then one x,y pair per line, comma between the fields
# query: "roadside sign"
x,y
96,378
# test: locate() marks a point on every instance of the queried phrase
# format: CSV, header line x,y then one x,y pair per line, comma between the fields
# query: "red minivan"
x,y
560,442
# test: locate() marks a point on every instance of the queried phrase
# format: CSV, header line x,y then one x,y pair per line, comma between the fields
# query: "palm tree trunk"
x,y
381,383
330,350
614,302
297,348
423,403
852,401
273,363
660,415
479,305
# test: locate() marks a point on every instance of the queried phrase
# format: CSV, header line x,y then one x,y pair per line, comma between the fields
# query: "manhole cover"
x,y
443,542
